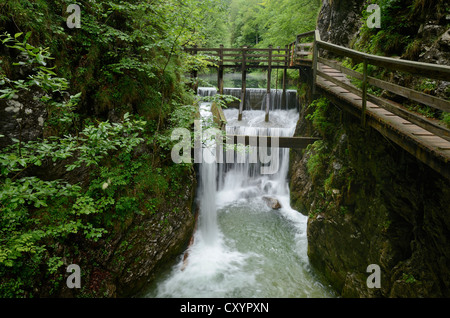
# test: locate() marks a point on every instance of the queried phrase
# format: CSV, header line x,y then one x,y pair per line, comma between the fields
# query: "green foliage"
x,y
270,22
61,113
126,62
317,159
446,119
409,278
319,116
126,54
36,214
399,26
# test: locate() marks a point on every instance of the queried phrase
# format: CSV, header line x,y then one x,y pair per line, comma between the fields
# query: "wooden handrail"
x,y
293,56
435,71
428,70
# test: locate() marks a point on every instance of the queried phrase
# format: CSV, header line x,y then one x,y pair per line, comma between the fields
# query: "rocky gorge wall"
x,y
149,225
368,200
137,245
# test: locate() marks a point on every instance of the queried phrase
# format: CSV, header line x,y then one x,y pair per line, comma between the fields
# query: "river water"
x,y
242,248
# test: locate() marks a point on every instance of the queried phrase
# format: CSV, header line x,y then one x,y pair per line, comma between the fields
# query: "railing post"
x,y
244,84
283,96
315,60
291,62
364,94
314,65
194,73
220,71
269,77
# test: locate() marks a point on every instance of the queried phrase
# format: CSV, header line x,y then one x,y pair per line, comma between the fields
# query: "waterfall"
x,y
242,247
208,169
244,178
256,98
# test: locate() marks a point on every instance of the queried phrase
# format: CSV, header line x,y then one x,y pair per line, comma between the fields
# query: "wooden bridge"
x,y
426,139
291,56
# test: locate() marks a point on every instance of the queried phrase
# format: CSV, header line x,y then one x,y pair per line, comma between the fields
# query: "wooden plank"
x,y
357,56
415,118
364,94
305,34
265,61
391,127
283,142
267,55
303,53
233,55
341,68
423,98
244,85
435,71
218,116
220,72
346,86
269,76
264,67
315,66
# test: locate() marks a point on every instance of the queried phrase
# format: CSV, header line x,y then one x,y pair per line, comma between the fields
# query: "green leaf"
x,y
27,36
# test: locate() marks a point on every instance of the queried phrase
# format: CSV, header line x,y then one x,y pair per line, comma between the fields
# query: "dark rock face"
x,y
153,242
128,260
22,117
369,201
339,20
438,52
372,203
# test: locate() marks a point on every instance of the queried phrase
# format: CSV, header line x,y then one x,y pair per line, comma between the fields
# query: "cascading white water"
x,y
243,248
208,219
256,97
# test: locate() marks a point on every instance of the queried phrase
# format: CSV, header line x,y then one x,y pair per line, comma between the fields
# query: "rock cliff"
x,y
369,201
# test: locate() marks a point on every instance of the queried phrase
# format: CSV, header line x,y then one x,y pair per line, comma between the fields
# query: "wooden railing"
x,y
427,70
301,49
291,56
273,57
305,51
252,57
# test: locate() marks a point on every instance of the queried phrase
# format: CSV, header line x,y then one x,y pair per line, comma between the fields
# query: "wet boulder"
x,y
272,203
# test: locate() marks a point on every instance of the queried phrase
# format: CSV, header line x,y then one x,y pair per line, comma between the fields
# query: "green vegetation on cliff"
x,y
103,99
414,32
370,202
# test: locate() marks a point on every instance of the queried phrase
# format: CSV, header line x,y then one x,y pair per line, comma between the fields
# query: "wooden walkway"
x,y
426,139
431,149
292,56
